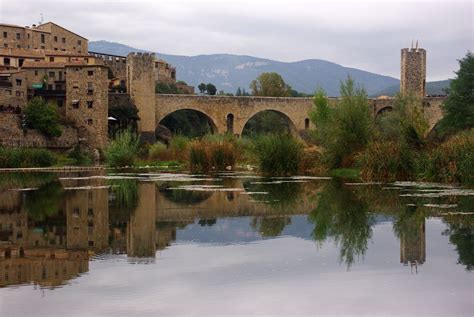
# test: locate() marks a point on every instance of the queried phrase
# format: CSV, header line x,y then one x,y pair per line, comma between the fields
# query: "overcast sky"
x,y
361,34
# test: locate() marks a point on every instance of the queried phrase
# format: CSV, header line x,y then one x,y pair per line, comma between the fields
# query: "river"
x,y
142,243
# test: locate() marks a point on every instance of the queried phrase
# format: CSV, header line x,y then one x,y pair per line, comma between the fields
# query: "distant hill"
x,y
432,88
228,72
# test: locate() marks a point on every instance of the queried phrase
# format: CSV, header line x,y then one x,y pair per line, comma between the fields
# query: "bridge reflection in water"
x,y
48,235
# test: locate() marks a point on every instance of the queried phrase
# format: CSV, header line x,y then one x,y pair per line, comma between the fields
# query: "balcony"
x,y
49,93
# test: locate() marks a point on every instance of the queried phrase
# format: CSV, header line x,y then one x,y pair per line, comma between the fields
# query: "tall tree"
x,y
271,85
202,88
238,92
459,106
211,89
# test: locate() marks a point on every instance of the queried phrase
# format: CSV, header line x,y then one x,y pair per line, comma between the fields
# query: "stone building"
x,y
46,36
13,90
87,102
413,71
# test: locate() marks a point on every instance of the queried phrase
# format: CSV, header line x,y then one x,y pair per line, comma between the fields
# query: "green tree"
x,y
346,128
126,114
211,89
43,116
459,106
319,115
405,123
202,88
270,85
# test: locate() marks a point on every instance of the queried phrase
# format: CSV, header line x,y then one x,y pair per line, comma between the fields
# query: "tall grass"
x,y
21,157
212,153
452,161
278,155
387,161
122,150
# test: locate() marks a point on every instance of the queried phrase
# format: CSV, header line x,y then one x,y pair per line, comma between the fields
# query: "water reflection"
x,y
50,228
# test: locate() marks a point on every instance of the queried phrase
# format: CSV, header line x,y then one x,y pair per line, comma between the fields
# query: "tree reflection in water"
x,y
270,226
461,234
344,217
280,195
45,201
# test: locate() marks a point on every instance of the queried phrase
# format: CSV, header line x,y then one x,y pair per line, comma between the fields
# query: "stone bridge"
x,y
229,114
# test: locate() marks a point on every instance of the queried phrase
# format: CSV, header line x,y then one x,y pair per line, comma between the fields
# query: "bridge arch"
x,y
383,110
291,124
207,116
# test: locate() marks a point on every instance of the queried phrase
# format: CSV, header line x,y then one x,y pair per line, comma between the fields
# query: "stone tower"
x,y
141,87
413,71
87,102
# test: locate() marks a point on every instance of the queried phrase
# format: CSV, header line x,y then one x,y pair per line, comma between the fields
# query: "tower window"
x,y
90,104
18,36
5,35
42,38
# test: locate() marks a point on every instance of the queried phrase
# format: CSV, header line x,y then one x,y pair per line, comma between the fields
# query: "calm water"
x,y
156,244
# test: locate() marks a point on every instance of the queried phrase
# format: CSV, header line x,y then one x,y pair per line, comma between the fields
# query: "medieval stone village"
x,y
36,59
121,196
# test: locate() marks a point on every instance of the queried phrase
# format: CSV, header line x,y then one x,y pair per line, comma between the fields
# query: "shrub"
x,y
452,161
79,157
212,153
387,161
43,116
158,151
122,150
12,158
278,155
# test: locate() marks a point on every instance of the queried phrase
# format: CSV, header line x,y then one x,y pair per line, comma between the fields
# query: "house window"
x,y
90,88
42,38
5,35
51,74
90,211
50,87
55,48
90,104
79,42
63,40
59,87
18,82
75,104
5,45
18,46
90,73
60,103
6,61
89,121
75,85
18,36
36,73
18,93
42,47
51,59
55,38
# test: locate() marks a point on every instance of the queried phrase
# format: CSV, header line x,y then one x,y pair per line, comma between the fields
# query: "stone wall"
x,y
12,135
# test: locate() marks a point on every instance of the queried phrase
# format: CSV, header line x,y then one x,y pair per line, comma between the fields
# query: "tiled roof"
x,y
34,64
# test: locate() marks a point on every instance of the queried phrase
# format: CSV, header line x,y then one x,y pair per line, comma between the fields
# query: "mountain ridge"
x,y
230,71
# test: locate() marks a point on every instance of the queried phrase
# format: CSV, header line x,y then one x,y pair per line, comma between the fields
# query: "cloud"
x,y
361,34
